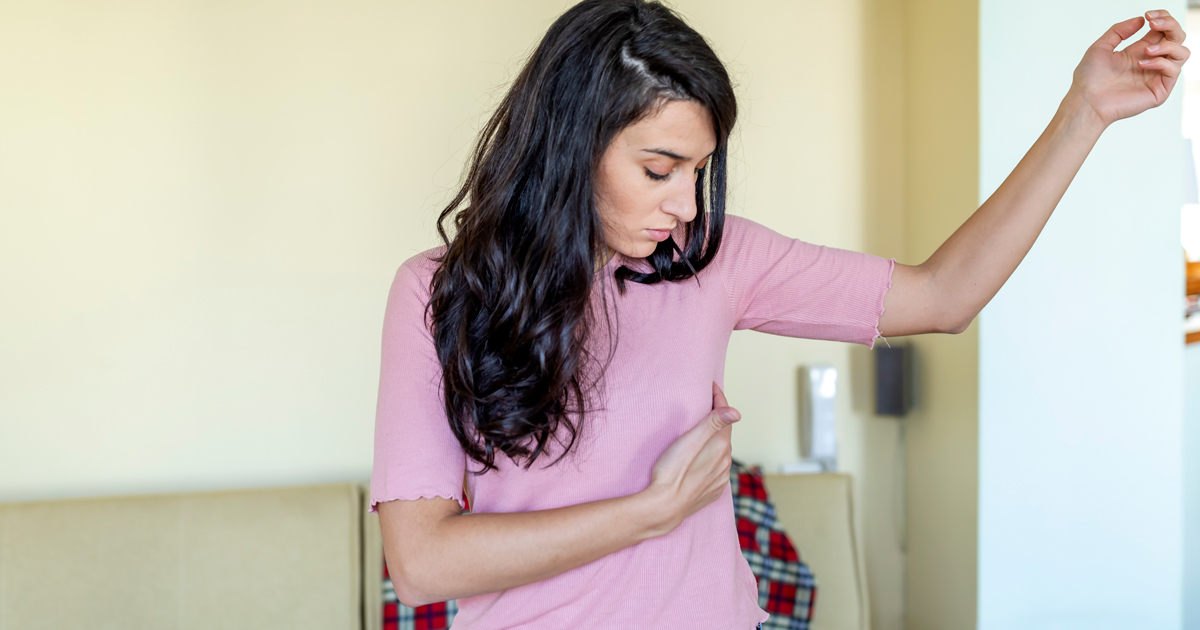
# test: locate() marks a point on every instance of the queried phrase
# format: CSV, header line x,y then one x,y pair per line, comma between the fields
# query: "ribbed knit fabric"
x,y
672,339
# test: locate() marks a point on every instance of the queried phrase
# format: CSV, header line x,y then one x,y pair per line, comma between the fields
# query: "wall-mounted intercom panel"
x,y
818,415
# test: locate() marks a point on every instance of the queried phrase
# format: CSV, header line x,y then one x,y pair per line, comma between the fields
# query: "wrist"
x,y
1079,113
654,513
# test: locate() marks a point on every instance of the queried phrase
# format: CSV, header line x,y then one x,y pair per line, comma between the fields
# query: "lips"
x,y
659,235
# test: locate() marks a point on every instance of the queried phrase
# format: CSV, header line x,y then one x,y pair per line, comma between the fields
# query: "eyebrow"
x,y
670,154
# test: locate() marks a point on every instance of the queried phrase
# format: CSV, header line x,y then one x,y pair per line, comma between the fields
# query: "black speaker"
x,y
893,380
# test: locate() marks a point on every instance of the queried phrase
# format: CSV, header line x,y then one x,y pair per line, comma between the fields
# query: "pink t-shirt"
x,y
672,339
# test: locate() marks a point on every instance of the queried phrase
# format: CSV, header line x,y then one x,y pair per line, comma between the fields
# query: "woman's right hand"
x,y
694,469
435,553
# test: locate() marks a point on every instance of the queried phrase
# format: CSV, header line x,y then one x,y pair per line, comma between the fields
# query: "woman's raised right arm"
x,y
435,553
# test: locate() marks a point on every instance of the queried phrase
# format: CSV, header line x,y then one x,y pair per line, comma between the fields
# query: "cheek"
x,y
634,216
628,205
635,208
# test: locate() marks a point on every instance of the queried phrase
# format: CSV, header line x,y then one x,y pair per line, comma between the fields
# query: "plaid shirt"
x,y
786,588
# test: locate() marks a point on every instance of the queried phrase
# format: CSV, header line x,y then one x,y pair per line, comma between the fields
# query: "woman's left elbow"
x,y
955,327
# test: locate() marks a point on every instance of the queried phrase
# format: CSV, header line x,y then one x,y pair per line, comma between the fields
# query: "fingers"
x,y
1120,32
721,406
714,461
718,448
719,420
726,415
716,421
1162,22
1166,66
1170,50
719,397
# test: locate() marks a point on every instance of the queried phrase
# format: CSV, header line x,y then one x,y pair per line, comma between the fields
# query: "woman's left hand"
x,y
1119,84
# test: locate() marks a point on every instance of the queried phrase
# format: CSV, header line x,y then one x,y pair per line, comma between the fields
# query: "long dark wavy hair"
x,y
510,298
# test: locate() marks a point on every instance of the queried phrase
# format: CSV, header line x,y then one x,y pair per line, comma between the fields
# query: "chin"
x,y
644,250
635,248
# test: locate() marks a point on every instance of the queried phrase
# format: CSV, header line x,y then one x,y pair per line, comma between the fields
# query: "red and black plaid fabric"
x,y
786,588
397,616
785,585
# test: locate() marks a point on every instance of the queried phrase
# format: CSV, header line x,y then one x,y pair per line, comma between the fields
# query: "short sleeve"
x,y
785,286
416,453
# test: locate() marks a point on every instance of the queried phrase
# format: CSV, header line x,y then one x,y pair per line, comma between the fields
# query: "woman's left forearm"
x,y
971,266
946,292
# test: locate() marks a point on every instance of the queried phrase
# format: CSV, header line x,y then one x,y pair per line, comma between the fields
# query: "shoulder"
x,y
736,227
416,273
408,298
411,286
741,232
742,237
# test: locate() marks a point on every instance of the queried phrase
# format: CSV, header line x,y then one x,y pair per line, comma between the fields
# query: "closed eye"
x,y
658,178
655,176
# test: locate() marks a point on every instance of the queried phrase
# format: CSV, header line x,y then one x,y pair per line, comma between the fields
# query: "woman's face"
x,y
646,184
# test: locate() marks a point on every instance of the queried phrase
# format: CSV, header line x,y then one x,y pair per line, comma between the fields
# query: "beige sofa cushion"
x,y
815,511
372,569
262,559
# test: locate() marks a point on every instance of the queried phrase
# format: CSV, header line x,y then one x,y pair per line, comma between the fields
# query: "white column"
x,y
1081,373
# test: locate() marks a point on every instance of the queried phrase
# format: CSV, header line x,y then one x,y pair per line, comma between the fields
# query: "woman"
x,y
566,343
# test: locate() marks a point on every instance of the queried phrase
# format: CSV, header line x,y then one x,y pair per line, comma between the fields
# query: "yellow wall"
x,y
881,479
201,207
941,191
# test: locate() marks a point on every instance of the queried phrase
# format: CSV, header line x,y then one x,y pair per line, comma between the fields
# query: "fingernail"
x,y
1153,48
731,415
1159,22
1152,14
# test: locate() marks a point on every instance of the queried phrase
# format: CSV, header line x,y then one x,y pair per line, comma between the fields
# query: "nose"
x,y
681,203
